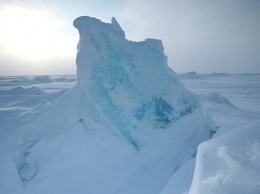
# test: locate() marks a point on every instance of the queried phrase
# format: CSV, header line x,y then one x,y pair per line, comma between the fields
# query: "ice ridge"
x,y
128,82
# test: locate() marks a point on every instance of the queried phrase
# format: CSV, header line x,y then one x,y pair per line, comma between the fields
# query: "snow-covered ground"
x,y
231,157
230,161
126,124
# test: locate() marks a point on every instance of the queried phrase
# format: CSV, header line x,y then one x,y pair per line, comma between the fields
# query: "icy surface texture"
x,y
128,82
229,163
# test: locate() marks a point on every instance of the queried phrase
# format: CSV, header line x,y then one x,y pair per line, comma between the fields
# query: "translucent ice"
x,y
128,82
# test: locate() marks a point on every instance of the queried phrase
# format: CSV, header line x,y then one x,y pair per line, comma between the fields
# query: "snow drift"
x,y
125,127
229,165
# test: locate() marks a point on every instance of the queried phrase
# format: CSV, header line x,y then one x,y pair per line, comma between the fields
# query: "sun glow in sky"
x,y
34,37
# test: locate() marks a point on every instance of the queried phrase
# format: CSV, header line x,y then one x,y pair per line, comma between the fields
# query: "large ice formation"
x,y
128,83
128,123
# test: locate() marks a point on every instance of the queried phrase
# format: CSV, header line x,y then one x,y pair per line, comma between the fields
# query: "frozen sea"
x,y
21,93
242,90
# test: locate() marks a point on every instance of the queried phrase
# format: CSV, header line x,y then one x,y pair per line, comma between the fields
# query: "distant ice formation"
x,y
192,75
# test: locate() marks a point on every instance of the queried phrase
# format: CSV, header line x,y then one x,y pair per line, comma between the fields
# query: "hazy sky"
x,y
37,36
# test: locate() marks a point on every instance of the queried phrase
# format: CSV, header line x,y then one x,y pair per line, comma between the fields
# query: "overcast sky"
x,y
37,36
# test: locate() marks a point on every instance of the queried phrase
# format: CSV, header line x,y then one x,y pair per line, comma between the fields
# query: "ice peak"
x,y
117,27
93,26
84,21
